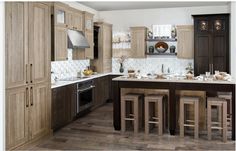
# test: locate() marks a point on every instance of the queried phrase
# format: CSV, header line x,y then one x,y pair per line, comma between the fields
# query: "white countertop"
x,y
64,83
124,78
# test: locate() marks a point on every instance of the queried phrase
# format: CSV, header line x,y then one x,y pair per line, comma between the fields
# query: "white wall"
x,y
123,19
233,38
2,77
83,8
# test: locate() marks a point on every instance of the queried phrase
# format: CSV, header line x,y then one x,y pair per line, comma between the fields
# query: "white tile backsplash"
x,y
64,69
153,64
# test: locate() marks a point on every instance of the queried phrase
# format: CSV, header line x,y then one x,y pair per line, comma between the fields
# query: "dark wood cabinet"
x,y
211,43
103,90
63,105
99,92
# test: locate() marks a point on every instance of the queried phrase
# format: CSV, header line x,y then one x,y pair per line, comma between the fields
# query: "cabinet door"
x,y
60,44
39,110
70,102
58,107
77,19
60,15
89,54
107,41
138,43
185,43
17,116
16,44
202,53
220,37
88,22
39,42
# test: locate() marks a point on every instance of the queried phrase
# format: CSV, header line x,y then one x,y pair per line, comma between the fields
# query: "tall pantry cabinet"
x,y
211,43
27,44
104,61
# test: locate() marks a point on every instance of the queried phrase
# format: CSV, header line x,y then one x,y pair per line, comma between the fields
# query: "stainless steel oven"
x,y
85,95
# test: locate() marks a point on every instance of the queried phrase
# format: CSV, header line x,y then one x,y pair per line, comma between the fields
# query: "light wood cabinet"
x,y
39,112
60,15
185,42
104,63
60,44
87,53
88,31
17,116
16,54
28,45
74,19
138,42
39,46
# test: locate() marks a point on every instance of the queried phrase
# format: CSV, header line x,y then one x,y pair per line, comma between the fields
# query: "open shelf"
x,y
162,39
167,54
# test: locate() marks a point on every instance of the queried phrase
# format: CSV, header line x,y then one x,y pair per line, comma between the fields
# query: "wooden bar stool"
x,y
157,119
221,125
228,97
190,100
136,101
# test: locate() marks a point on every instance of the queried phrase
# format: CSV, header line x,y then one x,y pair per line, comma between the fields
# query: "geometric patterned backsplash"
x,y
64,69
69,68
153,64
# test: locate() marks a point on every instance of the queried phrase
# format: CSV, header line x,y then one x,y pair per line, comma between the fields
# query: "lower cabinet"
x,y
103,90
63,105
27,114
17,116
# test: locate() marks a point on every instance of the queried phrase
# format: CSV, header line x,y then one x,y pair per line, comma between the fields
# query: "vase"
x,y
121,68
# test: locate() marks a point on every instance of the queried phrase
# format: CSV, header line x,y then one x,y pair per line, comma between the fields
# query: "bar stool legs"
x,y
190,123
222,125
136,116
158,119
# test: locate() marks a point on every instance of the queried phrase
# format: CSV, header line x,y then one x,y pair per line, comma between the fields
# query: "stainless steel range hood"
x,y
76,39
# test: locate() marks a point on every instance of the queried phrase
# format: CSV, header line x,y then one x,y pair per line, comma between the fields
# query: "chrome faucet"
x,y
162,68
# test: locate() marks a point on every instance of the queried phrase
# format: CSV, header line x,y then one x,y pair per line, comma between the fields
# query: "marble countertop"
x,y
125,78
60,83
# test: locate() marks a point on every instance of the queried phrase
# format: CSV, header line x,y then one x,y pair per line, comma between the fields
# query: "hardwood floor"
x,y
95,132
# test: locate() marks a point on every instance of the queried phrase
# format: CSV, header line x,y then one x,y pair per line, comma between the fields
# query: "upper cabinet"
x,y
17,67
138,42
211,43
28,51
88,31
60,15
185,43
104,60
74,19
87,28
66,17
39,42
60,44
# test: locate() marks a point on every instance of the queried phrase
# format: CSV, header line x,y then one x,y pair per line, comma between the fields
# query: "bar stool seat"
x,y
157,119
136,101
221,125
190,100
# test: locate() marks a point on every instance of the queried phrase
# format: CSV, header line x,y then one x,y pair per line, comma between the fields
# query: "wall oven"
x,y
85,96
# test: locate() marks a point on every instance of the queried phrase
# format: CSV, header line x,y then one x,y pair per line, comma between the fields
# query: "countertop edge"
x,y
175,81
64,83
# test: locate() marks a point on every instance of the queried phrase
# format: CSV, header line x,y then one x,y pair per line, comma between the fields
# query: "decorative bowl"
x,y
161,47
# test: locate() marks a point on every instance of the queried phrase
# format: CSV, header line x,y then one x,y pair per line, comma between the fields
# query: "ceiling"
x,y
125,5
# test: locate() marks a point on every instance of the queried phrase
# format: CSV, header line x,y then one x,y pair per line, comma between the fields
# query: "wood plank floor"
x,y
95,132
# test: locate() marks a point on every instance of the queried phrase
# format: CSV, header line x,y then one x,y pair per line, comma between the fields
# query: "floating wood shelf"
x,y
164,39
167,54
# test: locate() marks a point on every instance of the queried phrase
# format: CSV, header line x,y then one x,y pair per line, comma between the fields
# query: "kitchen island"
x,y
172,85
